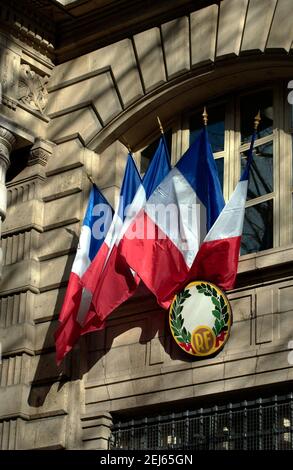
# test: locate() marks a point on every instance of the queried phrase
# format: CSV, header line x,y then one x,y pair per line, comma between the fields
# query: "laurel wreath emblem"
x,y
177,322
220,311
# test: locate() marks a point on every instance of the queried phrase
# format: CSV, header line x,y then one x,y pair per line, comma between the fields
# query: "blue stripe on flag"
x,y
198,167
130,185
158,168
98,208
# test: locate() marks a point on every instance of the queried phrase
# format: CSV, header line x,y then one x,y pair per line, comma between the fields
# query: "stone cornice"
x,y
64,32
114,22
27,23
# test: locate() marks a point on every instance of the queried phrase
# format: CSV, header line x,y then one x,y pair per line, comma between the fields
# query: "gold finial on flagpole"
x,y
160,125
90,178
205,116
257,120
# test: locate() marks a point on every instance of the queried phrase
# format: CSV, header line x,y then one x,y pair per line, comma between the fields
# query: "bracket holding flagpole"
x,y
205,116
128,148
160,125
257,120
124,142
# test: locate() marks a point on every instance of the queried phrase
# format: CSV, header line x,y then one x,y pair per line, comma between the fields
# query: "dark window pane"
x,y
216,127
258,228
148,153
220,166
250,105
261,179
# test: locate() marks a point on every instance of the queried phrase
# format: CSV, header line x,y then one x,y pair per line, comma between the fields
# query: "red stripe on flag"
x,y
68,331
116,285
152,257
217,262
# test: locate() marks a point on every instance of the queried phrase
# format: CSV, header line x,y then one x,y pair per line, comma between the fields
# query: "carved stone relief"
x,y
40,153
32,89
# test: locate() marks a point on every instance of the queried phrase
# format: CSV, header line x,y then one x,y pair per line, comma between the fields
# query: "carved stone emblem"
x,y
40,152
32,89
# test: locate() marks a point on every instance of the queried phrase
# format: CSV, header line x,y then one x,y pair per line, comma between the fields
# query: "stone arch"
x,y
92,97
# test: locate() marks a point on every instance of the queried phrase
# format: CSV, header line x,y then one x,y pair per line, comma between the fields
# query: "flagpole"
x,y
90,179
126,144
128,147
160,125
257,120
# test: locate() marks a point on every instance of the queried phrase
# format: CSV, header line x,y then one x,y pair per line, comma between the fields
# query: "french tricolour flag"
x,y
112,280
174,221
77,301
118,282
217,258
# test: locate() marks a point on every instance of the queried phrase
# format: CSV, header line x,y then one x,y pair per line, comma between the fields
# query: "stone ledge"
x,y
43,433
24,216
266,258
161,376
20,277
63,184
13,401
18,339
189,391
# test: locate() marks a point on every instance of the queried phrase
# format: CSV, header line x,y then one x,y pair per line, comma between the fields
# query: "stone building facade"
x,y
79,80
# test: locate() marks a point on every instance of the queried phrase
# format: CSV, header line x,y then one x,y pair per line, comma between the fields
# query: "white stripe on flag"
x,y
186,225
134,208
82,260
230,221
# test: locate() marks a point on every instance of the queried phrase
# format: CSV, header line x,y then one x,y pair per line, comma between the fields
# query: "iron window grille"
x,y
263,424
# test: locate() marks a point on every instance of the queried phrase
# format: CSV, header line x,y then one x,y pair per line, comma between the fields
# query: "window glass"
x,y
216,127
230,129
258,228
249,107
220,166
261,178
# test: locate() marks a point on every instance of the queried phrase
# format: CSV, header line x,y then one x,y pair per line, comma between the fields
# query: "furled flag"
x,y
77,300
217,258
174,221
118,282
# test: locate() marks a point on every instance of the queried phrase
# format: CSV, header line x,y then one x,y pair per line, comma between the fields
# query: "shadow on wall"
x,y
41,384
99,351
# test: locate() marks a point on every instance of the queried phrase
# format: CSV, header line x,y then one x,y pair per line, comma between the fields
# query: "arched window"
x,y
268,216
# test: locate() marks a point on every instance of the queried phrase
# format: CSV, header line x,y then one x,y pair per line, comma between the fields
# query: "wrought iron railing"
x,y
263,424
